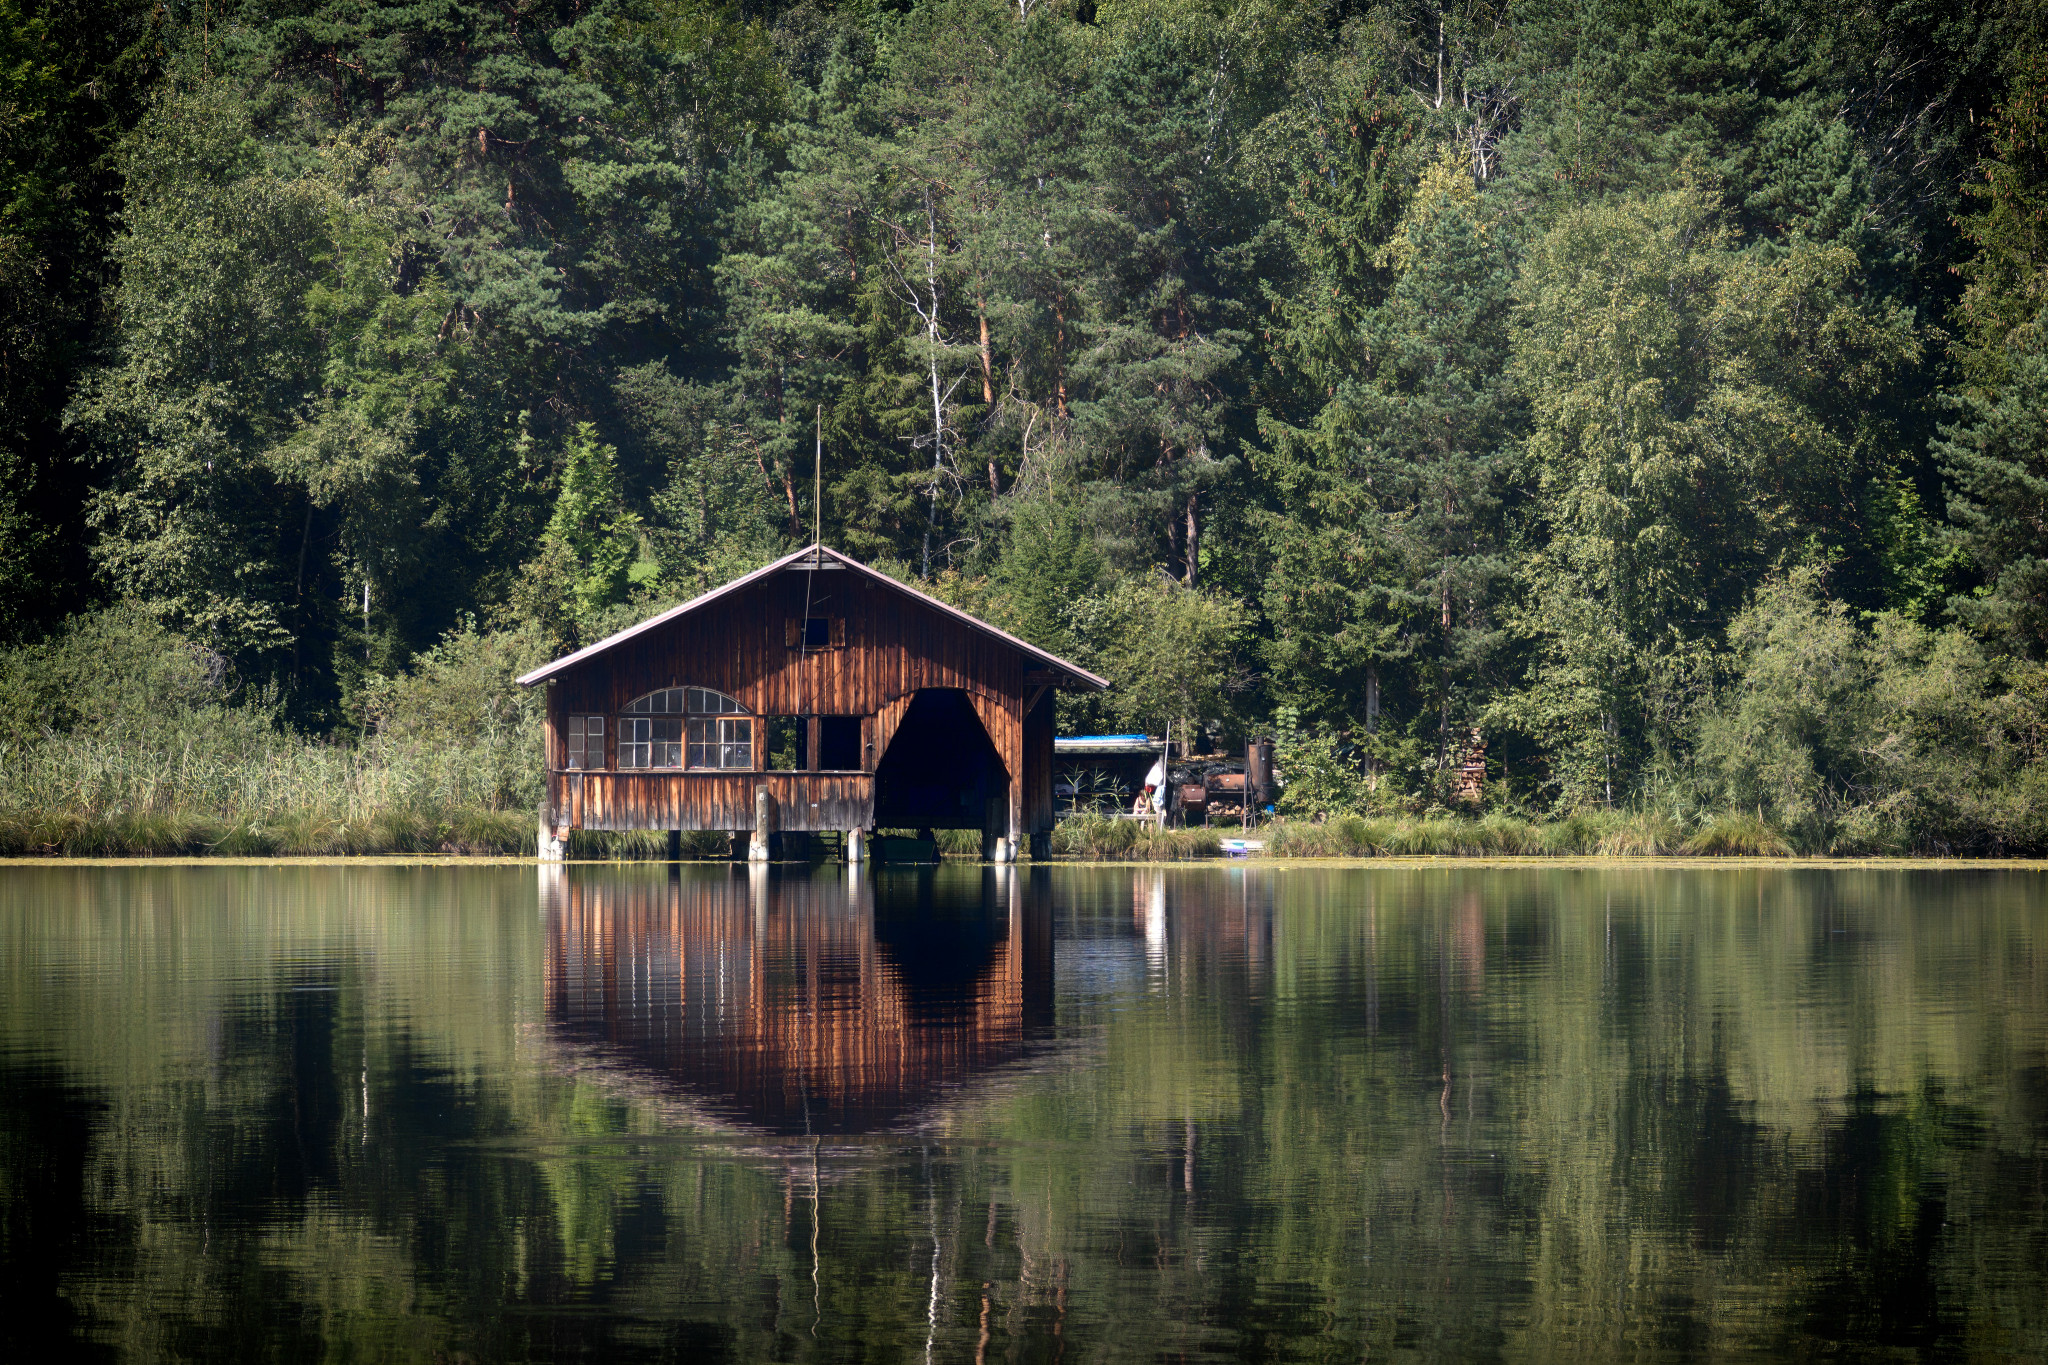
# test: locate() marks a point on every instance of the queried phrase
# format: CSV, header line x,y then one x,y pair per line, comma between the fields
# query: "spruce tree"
x,y
1996,453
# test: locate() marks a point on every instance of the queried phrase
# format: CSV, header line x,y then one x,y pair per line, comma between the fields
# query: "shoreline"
x,y
1662,861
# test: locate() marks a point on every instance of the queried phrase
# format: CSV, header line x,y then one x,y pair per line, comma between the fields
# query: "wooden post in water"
x,y
764,825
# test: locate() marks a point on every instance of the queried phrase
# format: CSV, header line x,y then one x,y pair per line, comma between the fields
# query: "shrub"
x,y
1324,774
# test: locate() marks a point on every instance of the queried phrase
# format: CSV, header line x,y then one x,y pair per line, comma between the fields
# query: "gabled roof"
x,y
1071,674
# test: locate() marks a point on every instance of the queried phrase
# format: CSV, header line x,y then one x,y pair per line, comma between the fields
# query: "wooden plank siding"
x,y
1039,727
1003,718
683,800
736,646
895,645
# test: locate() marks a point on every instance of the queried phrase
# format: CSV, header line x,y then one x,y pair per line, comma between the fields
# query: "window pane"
x,y
633,747
839,743
584,740
783,738
705,702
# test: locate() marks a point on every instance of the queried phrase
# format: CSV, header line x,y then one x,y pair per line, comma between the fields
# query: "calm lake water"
x,y
1069,1114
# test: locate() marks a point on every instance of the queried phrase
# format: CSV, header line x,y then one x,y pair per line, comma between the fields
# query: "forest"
x,y
1656,389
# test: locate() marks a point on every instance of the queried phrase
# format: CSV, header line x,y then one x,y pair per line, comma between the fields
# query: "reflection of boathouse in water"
x,y
836,1003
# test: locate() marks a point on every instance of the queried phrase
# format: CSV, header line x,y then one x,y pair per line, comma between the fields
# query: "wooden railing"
x,y
708,800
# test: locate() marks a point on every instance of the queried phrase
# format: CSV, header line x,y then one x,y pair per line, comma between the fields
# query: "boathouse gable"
x,y
817,693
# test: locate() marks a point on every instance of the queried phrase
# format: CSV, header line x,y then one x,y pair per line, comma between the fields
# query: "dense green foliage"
x,y
1660,390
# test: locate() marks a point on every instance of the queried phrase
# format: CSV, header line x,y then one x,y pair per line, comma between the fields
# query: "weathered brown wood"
x,y
1039,725
887,719
885,647
1003,718
673,800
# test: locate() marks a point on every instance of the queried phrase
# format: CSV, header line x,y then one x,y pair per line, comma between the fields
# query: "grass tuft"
x,y
1104,837
1739,836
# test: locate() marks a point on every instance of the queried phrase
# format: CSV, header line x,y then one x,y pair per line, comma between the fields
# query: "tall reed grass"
x,y
314,834
249,768
1587,834
300,833
1105,837
226,781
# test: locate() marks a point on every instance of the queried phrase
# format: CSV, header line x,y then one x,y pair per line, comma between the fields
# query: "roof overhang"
x,y
819,559
1108,744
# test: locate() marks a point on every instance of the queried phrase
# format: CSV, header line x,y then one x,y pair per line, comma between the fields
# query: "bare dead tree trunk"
x,y
988,369
1440,45
931,334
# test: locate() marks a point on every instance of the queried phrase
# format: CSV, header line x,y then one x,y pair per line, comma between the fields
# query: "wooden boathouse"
x,y
814,694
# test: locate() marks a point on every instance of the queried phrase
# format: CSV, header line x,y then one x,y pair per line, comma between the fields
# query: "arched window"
x,y
685,727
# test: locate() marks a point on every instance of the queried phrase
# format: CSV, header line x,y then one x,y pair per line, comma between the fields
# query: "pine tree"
x,y
1432,422
1996,453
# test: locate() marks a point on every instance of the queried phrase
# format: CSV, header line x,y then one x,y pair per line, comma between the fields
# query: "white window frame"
x,y
583,742
693,729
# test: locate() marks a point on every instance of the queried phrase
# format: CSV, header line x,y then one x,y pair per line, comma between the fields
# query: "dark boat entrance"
x,y
941,771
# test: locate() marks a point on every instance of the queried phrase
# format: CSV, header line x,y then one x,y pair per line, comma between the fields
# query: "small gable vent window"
x,y
814,632
686,727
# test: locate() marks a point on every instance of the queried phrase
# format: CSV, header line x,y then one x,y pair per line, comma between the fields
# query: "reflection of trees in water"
x,y
1443,1111
808,1004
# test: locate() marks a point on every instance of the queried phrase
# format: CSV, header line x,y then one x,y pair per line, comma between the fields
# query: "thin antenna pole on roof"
x,y
818,487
